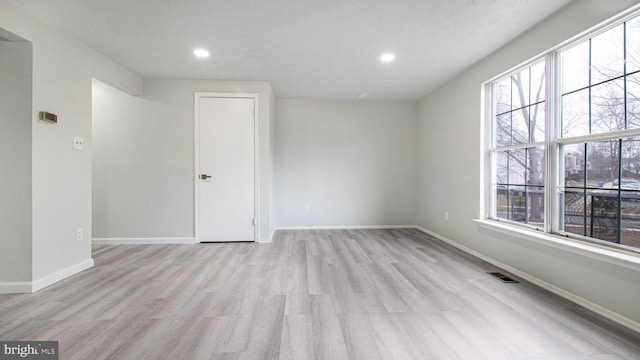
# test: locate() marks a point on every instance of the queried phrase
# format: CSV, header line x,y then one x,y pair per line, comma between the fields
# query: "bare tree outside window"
x,y
520,120
600,95
599,151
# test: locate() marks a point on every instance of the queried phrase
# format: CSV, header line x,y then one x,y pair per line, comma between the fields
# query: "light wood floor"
x,y
333,294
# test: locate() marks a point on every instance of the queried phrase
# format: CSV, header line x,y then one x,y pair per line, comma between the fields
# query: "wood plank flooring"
x,y
330,294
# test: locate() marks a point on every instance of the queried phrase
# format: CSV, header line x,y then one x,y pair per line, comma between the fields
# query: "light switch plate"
x,y
78,143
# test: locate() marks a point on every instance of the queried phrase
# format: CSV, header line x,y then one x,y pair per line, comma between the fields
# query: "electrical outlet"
x,y
78,143
446,216
306,208
79,234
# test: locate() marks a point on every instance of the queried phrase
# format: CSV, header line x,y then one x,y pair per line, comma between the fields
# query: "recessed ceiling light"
x,y
201,53
387,57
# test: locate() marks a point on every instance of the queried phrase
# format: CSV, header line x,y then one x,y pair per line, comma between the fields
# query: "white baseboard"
x,y
343,227
611,315
273,233
336,227
143,241
61,275
33,286
15,287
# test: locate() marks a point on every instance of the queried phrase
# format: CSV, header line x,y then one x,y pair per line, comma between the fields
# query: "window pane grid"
x,y
519,189
601,104
595,149
601,194
519,105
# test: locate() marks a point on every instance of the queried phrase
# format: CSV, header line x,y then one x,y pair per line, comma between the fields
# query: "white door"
x,y
225,179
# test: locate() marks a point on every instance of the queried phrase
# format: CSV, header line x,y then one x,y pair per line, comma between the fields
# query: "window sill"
x,y
607,254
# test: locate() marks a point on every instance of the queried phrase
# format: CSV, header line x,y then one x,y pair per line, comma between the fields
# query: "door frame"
x,y
256,157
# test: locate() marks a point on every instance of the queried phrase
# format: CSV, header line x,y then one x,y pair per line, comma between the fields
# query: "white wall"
x,y
15,161
61,176
144,158
353,162
449,177
142,176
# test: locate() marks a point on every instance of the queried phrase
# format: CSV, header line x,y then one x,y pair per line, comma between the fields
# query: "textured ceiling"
x,y
307,49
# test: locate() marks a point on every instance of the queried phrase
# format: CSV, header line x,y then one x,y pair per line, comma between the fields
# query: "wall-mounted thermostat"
x,y
47,116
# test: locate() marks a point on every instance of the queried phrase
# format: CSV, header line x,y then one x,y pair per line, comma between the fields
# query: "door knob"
x,y
205,176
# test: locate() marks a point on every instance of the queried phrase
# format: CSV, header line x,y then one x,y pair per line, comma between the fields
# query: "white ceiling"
x,y
307,49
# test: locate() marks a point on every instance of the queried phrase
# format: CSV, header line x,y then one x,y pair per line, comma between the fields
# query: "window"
x,y
519,145
565,140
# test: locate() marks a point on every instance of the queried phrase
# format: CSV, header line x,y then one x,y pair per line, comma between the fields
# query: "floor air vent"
x,y
502,277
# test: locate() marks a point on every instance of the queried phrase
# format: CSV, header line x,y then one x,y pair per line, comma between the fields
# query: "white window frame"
x,y
553,179
491,198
